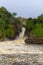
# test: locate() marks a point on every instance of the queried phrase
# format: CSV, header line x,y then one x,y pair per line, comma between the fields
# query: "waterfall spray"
x,y
21,38
22,33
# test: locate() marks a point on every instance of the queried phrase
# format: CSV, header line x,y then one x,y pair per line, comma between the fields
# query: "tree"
x,y
29,24
40,18
14,14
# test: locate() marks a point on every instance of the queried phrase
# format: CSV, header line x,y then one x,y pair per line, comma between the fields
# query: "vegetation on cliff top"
x,y
35,26
9,25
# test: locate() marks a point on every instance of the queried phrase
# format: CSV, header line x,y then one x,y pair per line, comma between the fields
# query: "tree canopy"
x,y
35,26
8,24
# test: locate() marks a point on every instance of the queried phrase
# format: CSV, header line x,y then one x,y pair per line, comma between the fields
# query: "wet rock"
x,y
34,40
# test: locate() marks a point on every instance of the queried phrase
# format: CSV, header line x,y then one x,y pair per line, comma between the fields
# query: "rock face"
x,y
34,41
21,59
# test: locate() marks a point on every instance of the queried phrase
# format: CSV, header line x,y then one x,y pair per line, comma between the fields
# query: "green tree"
x,y
40,19
29,24
14,14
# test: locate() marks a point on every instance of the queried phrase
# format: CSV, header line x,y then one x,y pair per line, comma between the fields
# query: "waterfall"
x,y
22,33
21,38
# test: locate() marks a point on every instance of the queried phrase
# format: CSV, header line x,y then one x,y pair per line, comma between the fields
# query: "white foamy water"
x,y
10,47
22,33
21,38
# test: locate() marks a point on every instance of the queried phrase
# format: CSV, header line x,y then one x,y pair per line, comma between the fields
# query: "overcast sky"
x,y
24,8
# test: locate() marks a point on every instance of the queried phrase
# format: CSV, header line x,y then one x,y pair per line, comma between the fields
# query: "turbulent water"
x,y
22,33
21,38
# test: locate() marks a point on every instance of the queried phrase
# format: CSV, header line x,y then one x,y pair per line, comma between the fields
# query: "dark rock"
x,y
34,40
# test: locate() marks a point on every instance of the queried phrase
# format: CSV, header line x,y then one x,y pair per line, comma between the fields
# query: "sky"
x,y
24,8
